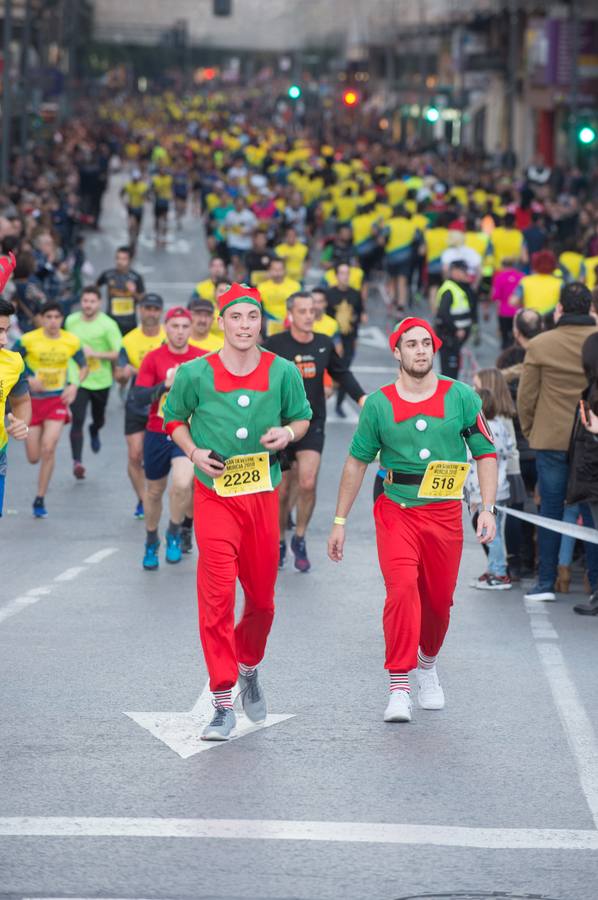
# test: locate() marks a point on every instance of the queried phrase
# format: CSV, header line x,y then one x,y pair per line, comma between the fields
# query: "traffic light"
x,y
586,135
350,97
294,92
432,114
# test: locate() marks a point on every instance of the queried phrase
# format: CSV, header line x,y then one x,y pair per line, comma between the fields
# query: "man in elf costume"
x,y
421,425
232,412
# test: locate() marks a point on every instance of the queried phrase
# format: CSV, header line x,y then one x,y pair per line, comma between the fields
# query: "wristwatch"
x,y
489,507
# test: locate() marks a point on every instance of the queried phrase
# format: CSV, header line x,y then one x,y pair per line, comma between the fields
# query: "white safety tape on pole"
x,y
590,535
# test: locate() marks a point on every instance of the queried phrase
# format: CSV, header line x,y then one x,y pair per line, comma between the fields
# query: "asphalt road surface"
x,y
105,790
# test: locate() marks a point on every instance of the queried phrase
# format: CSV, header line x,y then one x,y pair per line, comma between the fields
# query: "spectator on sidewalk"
x,y
583,454
551,382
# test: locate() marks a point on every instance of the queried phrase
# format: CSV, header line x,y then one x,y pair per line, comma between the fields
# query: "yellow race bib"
x,y
443,480
52,379
123,306
93,364
160,410
247,474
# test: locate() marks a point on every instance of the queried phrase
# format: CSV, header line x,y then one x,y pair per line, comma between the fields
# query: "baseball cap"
x,y
152,300
199,304
176,312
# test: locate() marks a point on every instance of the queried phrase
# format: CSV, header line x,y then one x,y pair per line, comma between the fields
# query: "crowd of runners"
x,y
309,238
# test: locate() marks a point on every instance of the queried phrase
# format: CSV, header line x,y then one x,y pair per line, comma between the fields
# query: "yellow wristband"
x,y
340,520
291,432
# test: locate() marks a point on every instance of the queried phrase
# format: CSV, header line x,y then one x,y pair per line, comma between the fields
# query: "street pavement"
x,y
495,796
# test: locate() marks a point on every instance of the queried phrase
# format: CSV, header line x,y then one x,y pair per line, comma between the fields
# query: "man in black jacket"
x,y
313,354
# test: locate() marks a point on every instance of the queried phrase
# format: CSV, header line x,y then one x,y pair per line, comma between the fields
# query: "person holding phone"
x,y
231,413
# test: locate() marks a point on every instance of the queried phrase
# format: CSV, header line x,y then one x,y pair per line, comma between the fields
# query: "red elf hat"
x,y
412,322
239,293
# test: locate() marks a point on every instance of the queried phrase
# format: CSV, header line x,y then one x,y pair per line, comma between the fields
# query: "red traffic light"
x,y
350,98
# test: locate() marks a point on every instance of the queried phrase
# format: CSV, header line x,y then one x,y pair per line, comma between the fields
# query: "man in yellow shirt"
x,y
275,291
47,351
542,289
134,193
294,254
162,191
14,388
507,242
136,345
202,315
589,273
206,289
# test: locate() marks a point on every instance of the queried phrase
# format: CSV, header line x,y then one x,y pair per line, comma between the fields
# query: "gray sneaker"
x,y
222,725
252,697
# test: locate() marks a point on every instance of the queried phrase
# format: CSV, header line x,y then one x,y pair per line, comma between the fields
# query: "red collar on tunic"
x,y
404,409
258,380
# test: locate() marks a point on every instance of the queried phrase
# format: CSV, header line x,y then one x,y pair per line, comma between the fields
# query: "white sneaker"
x,y
399,707
429,691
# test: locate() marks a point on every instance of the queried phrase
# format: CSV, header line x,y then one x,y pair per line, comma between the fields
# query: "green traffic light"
x,y
432,114
587,135
294,92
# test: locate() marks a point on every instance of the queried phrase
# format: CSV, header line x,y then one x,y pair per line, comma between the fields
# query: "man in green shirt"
x,y
101,341
421,425
231,413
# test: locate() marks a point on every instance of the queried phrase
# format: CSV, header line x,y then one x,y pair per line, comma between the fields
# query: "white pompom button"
x,y
242,434
421,424
424,453
243,400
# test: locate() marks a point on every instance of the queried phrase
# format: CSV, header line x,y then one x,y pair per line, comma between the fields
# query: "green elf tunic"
x,y
229,413
411,435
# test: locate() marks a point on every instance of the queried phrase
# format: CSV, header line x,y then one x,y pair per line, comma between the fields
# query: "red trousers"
x,y
237,537
419,549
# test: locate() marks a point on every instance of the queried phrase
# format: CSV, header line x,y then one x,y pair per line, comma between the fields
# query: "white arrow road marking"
x,y
181,731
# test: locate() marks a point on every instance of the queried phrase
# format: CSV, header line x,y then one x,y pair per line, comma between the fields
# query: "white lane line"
x,y
70,574
33,595
542,629
288,830
100,555
16,606
575,722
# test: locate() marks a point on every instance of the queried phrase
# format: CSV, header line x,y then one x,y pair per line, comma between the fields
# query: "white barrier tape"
x,y
589,535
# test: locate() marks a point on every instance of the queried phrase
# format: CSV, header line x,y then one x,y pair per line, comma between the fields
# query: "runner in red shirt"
x,y
160,454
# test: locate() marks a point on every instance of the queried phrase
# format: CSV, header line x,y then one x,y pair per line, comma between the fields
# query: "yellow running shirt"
x,y
162,185
326,325
211,343
355,277
136,345
570,263
135,192
12,373
47,358
588,271
507,243
436,242
539,292
275,297
294,256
